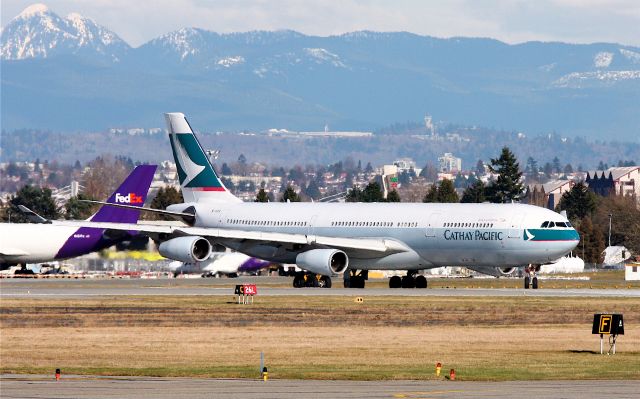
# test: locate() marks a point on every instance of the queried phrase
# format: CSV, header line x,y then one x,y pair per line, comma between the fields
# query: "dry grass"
x,y
318,337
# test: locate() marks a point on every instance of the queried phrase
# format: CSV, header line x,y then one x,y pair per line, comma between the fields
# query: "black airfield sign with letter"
x,y
608,324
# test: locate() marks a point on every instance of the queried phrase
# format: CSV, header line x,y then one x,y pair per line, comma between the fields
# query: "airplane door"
x,y
432,223
515,226
312,226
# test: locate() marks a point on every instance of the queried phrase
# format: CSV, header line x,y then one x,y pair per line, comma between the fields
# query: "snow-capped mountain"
x,y
359,80
38,32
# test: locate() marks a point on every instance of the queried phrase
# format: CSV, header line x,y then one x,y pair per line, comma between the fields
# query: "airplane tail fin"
x,y
198,180
133,191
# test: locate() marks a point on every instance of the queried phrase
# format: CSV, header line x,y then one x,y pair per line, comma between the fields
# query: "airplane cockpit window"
x,y
544,225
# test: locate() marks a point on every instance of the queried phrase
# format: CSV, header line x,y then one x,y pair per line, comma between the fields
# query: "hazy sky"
x,y
513,21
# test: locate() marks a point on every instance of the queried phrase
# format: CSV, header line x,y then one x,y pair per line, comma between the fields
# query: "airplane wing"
x,y
367,244
11,252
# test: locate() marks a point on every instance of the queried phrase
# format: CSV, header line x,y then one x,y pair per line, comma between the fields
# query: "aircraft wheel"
x,y
534,283
297,282
357,282
395,282
421,282
526,282
325,282
408,282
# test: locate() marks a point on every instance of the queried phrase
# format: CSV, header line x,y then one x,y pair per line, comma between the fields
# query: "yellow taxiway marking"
x,y
421,394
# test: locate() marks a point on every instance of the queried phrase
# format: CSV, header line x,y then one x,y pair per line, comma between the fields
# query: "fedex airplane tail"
x,y
133,191
198,179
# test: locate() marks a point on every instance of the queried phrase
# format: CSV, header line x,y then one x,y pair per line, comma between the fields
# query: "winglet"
x,y
32,216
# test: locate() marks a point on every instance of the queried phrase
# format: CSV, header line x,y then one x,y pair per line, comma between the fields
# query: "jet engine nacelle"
x,y
323,261
505,271
186,249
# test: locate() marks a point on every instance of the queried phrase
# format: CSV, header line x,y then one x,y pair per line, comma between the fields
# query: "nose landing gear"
x,y
530,277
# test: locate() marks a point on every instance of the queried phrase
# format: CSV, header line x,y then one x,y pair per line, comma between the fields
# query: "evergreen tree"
x,y
557,168
226,170
579,202
262,196
474,193
507,187
480,168
446,192
312,190
460,181
368,169
429,172
290,195
37,199
77,209
531,168
354,194
548,169
432,194
164,198
568,169
592,241
372,193
393,196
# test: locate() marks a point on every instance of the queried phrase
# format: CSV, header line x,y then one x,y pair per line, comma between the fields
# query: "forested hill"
x,y
384,147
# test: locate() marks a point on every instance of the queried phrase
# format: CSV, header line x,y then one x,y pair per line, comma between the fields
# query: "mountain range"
x,y
71,74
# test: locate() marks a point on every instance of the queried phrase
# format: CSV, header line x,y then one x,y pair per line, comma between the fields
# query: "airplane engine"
x,y
186,249
323,261
505,271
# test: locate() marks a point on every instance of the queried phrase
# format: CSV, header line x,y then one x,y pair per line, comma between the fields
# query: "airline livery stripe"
x,y
207,188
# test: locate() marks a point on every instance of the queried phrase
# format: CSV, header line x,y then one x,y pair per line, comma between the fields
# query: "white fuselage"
x,y
32,243
485,235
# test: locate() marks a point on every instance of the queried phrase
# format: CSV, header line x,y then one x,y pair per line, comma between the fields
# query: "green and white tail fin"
x,y
198,180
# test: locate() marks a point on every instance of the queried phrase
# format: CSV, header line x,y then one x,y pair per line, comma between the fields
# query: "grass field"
x,y
482,338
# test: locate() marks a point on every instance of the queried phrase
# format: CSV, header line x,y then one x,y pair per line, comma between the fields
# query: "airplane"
x,y
229,263
46,241
334,238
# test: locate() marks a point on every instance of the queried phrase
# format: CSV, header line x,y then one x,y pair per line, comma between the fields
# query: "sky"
x,y
511,21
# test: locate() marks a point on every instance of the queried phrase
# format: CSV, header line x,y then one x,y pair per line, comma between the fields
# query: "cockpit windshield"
x,y
550,224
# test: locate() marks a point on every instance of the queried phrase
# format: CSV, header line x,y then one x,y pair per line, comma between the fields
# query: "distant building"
x,y
428,124
405,164
448,163
618,181
547,195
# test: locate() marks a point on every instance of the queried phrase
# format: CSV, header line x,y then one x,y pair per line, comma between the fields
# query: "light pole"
x,y
610,215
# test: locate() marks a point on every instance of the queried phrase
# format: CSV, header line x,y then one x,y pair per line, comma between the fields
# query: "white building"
x,y
449,163
632,271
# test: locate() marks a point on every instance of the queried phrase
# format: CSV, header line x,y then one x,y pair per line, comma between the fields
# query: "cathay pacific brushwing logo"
x,y
190,168
528,236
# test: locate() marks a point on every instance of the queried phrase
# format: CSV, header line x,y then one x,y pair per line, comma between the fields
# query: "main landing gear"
x,y
411,280
305,279
355,278
530,277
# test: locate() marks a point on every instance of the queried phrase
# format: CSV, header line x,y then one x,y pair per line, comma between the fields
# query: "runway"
x,y
33,288
38,386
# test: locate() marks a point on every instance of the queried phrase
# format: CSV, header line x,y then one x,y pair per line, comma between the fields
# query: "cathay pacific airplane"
x,y
22,243
334,238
